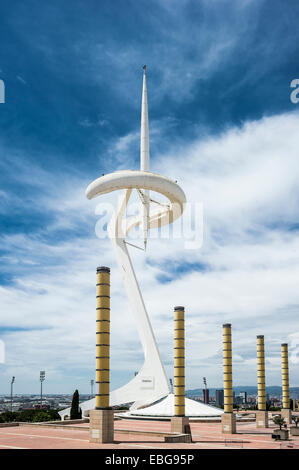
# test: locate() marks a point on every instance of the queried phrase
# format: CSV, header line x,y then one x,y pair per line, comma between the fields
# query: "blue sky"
x,y
221,122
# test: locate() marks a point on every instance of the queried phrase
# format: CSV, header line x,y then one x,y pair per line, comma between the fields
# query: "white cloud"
x,y
170,53
246,179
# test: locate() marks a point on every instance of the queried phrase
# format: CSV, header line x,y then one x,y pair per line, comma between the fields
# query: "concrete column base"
x,y
181,438
261,419
101,426
180,424
294,404
228,421
286,413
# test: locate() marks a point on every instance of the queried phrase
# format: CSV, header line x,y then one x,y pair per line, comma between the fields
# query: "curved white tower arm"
x,y
151,382
134,179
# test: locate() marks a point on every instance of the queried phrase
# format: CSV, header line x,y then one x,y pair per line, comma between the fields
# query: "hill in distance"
x,y
273,390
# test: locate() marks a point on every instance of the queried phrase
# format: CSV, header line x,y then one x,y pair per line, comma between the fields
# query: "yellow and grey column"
x,y
101,419
228,417
102,338
285,412
262,413
179,361
180,422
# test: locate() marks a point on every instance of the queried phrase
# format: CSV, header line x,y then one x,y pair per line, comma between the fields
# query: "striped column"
x,y
102,338
285,376
179,361
261,382
227,368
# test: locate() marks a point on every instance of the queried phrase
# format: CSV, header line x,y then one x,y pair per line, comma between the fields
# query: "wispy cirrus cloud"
x,y
245,273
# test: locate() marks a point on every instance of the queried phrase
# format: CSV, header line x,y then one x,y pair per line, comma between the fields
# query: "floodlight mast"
x,y
11,392
42,376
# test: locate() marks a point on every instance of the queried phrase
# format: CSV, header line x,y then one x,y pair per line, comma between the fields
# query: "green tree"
x,y
26,416
296,420
8,416
279,421
76,412
41,416
54,415
29,416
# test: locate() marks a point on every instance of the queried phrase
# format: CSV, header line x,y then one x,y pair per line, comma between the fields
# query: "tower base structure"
x,y
261,419
228,421
286,413
101,426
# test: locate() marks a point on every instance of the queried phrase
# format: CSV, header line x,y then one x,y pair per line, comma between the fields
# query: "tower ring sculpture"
x,y
143,180
150,383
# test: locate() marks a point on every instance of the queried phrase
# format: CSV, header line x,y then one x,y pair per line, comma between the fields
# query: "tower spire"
x,y
144,135
144,157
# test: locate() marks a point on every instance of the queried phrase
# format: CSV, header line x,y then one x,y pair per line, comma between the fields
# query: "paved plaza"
x,y
204,435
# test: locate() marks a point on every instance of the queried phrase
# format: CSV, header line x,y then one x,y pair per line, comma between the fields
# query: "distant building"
x,y
196,398
220,397
243,395
239,400
206,397
251,400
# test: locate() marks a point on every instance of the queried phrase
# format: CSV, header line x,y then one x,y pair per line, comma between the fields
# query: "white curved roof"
x,y
165,407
